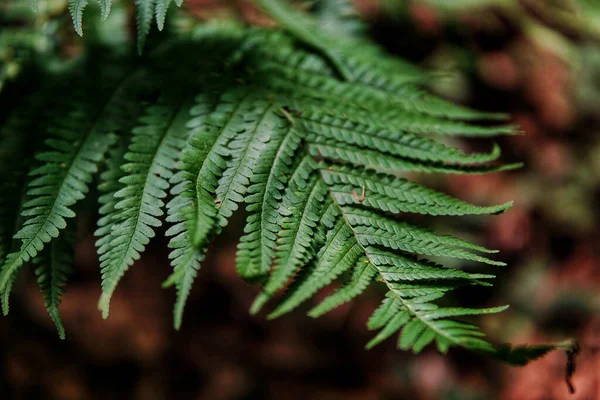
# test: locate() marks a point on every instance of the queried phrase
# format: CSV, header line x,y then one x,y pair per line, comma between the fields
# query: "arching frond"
x,y
162,6
75,148
314,144
154,149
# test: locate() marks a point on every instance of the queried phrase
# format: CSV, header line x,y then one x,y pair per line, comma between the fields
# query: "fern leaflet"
x,y
150,159
53,266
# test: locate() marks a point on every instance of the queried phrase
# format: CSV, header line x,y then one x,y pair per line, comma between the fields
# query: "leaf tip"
x,y
258,303
104,305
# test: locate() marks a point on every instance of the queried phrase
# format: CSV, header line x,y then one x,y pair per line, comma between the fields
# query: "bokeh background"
x,y
539,61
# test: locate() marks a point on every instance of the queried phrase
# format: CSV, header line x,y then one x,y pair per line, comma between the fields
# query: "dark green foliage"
x,y
53,267
312,143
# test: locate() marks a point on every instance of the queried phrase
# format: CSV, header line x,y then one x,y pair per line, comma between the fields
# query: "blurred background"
x,y
538,60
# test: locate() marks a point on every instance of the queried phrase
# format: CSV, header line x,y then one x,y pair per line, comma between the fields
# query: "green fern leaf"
x,y
340,18
305,29
423,124
395,323
247,132
76,147
373,229
151,156
387,309
53,266
73,157
315,160
389,164
361,278
144,14
193,210
185,256
76,8
395,267
22,127
124,118
105,7
162,6
109,185
408,306
303,206
378,90
395,195
256,248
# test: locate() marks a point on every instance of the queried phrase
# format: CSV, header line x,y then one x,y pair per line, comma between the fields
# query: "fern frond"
x,y
76,8
109,185
322,127
408,306
53,266
389,164
381,90
374,229
124,117
302,208
23,127
340,18
71,160
192,210
34,4
151,157
13,137
144,14
339,253
423,124
162,6
105,7
359,138
363,274
315,160
247,132
403,268
422,323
